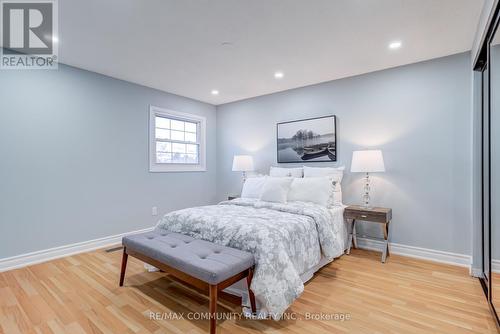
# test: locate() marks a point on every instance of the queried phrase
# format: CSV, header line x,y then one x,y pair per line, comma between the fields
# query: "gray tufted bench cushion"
x,y
204,260
196,262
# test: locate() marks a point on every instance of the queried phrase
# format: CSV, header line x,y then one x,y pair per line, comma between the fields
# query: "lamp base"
x,y
366,195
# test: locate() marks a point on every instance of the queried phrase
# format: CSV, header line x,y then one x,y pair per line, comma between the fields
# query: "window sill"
x,y
176,169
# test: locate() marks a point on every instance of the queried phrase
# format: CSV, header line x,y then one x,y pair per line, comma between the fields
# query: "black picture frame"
x,y
312,149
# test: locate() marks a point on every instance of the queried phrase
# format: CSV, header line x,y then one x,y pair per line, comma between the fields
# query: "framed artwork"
x,y
307,140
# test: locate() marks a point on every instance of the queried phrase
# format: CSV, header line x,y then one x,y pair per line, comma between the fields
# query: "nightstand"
x,y
231,197
382,216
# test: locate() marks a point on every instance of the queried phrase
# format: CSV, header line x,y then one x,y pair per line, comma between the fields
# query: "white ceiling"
x,y
189,47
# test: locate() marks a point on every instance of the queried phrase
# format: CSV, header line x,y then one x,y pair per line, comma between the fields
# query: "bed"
x,y
289,241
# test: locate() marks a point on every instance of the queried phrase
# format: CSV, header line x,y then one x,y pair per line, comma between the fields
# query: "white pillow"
x,y
317,190
285,172
276,189
253,187
336,172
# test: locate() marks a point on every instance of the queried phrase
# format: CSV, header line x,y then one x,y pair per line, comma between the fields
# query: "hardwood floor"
x,y
80,294
495,290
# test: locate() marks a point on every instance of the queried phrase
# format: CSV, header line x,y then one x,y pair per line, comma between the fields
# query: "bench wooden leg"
x,y
124,266
213,308
251,296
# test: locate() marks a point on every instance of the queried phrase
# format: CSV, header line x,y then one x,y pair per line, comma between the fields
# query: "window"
x,y
176,141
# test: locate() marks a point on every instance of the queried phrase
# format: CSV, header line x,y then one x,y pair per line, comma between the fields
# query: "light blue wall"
x,y
419,115
74,159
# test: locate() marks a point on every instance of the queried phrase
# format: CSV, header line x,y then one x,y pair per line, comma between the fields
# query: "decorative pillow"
x,y
285,172
253,187
317,190
336,172
276,189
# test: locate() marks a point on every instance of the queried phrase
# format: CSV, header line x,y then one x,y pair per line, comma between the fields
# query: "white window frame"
x,y
176,167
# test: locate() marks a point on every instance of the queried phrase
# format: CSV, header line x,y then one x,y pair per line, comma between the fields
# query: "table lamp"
x,y
368,161
243,163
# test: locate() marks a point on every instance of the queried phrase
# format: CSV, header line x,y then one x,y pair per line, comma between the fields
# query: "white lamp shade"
x,y
370,161
242,163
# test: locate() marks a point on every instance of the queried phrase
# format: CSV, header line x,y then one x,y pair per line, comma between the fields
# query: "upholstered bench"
x,y
197,262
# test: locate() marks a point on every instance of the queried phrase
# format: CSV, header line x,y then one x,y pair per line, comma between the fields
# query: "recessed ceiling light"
x,y
215,92
278,75
395,45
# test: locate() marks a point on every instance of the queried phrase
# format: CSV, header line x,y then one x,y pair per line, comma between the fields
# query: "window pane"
x,y
178,148
191,149
191,137
162,122
191,127
163,158
177,125
163,146
178,158
177,135
181,158
162,134
192,158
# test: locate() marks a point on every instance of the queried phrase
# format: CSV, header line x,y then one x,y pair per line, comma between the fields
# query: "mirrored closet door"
x,y
487,121
494,167
486,173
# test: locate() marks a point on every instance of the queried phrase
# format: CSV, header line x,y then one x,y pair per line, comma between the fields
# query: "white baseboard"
x,y
23,260
86,246
418,252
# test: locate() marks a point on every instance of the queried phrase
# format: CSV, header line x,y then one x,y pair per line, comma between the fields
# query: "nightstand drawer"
x,y
373,215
